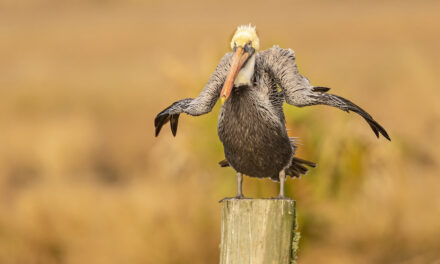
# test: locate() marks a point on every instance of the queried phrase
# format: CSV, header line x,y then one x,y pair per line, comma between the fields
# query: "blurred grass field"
x,y
84,180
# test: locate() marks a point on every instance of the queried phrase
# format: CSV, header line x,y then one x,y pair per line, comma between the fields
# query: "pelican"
x,y
252,87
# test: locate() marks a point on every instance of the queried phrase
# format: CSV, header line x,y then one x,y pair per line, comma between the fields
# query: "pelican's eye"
x,y
248,47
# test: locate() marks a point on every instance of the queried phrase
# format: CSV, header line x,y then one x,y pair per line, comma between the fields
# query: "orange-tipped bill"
x,y
240,57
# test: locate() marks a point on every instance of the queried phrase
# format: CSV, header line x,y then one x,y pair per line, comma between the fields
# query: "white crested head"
x,y
245,34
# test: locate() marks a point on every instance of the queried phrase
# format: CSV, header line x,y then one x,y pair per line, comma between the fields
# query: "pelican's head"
x,y
244,43
245,35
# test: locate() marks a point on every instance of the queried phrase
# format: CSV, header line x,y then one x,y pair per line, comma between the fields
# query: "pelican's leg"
x,y
239,189
239,186
282,176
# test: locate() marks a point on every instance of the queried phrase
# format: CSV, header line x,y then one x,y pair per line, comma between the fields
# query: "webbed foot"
x,y
240,196
281,197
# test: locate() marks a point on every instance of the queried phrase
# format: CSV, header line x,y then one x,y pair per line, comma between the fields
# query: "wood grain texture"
x,y
258,231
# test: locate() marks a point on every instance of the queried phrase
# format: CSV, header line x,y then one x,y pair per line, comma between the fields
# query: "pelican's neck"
x,y
244,77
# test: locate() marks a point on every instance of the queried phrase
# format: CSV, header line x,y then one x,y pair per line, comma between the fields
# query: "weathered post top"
x,y
257,231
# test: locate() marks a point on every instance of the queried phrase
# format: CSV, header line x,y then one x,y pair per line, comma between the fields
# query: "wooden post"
x,y
257,231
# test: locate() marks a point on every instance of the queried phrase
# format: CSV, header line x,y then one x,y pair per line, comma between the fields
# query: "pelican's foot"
x,y
280,197
241,196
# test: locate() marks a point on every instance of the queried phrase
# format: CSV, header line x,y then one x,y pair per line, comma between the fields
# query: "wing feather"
x,y
298,91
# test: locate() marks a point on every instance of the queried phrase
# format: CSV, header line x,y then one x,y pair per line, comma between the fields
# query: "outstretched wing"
x,y
195,106
320,97
298,91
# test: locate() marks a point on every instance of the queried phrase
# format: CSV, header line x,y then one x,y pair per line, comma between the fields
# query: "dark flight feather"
x,y
347,105
320,89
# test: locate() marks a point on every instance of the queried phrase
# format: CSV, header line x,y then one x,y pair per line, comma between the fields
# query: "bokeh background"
x,y
84,180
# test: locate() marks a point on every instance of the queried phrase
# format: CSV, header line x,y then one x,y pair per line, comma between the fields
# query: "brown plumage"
x,y
251,122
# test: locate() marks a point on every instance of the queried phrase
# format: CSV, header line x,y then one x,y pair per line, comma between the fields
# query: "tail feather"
x,y
292,172
224,163
306,162
296,169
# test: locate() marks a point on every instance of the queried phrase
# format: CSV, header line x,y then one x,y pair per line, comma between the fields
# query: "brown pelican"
x,y
252,86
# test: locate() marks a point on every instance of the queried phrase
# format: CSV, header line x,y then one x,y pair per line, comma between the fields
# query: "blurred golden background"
x,y
84,180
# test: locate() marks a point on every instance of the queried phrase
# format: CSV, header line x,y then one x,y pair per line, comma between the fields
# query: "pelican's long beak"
x,y
239,59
